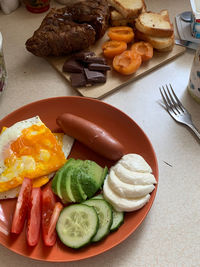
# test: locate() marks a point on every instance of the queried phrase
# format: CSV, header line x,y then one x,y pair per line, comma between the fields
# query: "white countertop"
x,y
170,234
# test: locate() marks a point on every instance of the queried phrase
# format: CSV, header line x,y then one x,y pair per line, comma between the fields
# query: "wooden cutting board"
x,y
116,80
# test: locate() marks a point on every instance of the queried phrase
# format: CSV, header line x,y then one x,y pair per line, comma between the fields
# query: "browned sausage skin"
x,y
90,134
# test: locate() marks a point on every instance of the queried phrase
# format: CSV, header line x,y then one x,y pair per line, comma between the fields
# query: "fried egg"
x,y
29,149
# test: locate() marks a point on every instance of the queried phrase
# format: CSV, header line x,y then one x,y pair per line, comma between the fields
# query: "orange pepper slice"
x,y
113,48
121,33
145,49
127,62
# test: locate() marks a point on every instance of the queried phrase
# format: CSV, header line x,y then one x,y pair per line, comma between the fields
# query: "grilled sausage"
x,y
90,134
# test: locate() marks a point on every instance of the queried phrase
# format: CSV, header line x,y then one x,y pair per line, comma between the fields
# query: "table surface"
x,y
170,234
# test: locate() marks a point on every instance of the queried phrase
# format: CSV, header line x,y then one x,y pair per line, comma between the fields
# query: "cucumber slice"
x,y
118,216
77,224
99,196
118,220
104,212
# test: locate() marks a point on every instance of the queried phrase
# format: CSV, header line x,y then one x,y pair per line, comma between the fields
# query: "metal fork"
x,y
175,108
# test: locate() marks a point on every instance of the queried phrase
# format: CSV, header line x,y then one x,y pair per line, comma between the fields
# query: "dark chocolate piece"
x,y
83,56
78,79
71,65
98,66
94,76
99,60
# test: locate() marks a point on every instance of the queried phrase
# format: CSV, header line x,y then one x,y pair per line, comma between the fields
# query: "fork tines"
x,y
170,99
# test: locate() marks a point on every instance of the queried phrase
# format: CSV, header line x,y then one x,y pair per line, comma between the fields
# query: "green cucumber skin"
x,y
96,202
117,222
78,246
99,196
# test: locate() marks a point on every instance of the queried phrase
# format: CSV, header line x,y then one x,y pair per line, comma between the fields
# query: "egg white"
x,y
11,134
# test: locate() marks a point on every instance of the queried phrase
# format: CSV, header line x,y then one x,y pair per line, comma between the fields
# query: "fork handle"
x,y
194,129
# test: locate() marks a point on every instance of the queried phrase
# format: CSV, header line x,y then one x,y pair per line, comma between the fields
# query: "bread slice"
x,y
156,42
155,24
116,19
128,8
166,49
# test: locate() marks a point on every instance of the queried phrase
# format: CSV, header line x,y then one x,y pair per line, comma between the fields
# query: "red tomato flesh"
x,y
54,218
34,217
48,204
22,206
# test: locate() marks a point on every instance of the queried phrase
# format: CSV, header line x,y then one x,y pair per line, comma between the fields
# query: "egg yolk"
x,y
35,153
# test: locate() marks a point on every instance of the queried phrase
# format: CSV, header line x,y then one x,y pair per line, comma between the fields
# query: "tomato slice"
x,y
22,206
54,218
48,204
34,217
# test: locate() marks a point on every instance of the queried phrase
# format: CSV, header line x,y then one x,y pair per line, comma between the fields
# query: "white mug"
x,y
194,81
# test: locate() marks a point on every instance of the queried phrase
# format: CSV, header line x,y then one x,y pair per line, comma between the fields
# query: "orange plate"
x,y
114,121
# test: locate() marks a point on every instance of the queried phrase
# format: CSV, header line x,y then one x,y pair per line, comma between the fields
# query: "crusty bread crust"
x,y
144,8
156,42
128,8
155,24
166,49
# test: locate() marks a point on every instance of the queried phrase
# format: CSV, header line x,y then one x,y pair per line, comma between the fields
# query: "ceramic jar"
x,y
194,81
37,6
195,23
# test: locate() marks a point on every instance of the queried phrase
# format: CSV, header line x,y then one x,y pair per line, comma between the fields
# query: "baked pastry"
x,y
69,29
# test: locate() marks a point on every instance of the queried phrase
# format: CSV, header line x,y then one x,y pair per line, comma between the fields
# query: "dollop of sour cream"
x,y
129,183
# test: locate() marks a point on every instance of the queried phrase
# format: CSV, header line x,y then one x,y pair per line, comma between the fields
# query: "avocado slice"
x,y
76,188
93,170
57,178
65,185
105,172
87,183
71,190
